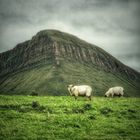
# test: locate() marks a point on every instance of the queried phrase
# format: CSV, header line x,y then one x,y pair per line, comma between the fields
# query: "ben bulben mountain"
x,y
53,59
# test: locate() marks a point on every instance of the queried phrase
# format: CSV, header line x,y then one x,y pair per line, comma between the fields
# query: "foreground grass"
x,y
55,118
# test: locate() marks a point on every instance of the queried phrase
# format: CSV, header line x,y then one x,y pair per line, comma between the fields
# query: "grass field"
x,y
62,118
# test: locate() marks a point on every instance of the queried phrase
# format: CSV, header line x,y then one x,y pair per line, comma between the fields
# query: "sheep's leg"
x,y
76,94
121,95
89,97
75,97
112,95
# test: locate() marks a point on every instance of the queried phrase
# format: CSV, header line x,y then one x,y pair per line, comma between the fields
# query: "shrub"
x,y
35,104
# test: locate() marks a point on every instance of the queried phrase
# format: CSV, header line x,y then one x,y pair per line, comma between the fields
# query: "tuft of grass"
x,y
92,117
78,110
87,106
132,110
106,110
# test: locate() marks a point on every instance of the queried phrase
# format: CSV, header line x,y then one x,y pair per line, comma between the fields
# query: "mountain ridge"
x,y
52,47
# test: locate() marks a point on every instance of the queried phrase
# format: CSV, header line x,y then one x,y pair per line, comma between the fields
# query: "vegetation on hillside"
x,y
54,80
61,117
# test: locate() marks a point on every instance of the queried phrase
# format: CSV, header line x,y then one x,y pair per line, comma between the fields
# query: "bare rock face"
x,y
54,47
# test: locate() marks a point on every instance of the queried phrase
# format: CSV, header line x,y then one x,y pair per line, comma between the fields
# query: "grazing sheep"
x,y
81,90
115,91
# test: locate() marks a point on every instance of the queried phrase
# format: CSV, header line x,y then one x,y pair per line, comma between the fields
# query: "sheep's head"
x,y
106,94
70,88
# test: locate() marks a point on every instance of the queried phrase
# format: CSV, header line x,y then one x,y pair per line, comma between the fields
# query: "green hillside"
x,y
53,80
63,118
51,60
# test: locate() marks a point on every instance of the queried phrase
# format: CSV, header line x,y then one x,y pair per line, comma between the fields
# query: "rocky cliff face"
x,y
53,47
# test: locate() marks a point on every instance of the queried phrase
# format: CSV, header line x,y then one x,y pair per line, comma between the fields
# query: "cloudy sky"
x,y
114,25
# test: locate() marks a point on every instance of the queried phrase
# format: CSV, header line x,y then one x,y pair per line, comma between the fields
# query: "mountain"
x,y
53,59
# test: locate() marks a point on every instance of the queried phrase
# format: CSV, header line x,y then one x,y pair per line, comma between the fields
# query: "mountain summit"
x,y
52,59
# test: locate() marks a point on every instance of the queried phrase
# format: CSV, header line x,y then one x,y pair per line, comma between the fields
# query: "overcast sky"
x,y
113,25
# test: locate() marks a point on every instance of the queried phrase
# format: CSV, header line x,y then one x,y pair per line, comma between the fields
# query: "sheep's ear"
x,y
70,85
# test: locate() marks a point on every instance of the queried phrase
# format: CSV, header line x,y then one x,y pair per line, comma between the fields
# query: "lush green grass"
x,y
57,118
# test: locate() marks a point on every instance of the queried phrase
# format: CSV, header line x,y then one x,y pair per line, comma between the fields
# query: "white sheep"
x,y
115,91
81,90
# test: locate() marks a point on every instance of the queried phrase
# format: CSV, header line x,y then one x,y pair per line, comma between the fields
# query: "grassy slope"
x,y
54,80
64,118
